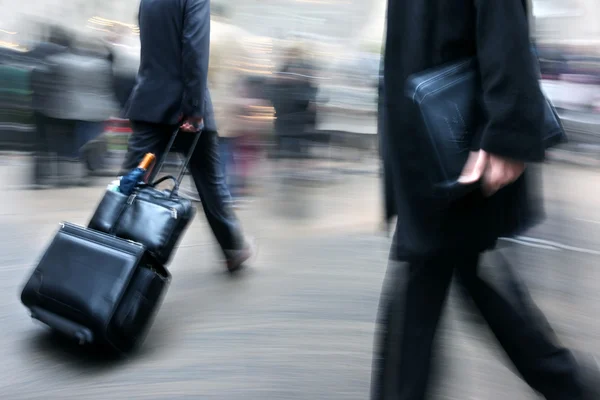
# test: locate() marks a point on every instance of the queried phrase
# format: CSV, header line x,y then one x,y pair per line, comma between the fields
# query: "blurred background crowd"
x,y
290,79
286,78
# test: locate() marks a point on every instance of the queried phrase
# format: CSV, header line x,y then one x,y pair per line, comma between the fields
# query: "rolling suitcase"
x,y
103,284
96,288
155,218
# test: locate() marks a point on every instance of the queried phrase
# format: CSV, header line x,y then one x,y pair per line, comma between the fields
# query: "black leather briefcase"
x,y
155,218
96,288
449,99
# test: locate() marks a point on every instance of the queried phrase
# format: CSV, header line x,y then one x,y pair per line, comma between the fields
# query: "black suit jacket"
x,y
172,77
428,33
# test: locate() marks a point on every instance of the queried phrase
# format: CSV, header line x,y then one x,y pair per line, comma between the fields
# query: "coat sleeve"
x,y
512,96
196,46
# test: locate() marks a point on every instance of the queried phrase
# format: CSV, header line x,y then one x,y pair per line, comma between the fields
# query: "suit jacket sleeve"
x,y
512,96
196,45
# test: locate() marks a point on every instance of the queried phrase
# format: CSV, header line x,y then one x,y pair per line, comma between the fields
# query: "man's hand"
x,y
191,124
474,168
494,171
501,172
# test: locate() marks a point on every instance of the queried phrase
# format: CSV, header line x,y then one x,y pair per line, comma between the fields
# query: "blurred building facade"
x,y
558,20
568,22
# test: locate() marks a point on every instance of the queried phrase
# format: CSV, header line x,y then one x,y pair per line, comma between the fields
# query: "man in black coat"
x,y
432,244
171,90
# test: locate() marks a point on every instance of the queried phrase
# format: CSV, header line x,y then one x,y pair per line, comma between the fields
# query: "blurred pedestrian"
x,y
72,99
224,78
171,92
55,41
432,244
122,62
253,123
294,99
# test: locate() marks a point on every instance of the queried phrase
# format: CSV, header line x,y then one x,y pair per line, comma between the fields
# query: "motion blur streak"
x,y
294,86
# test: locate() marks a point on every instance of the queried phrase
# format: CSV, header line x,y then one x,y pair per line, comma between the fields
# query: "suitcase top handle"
x,y
176,183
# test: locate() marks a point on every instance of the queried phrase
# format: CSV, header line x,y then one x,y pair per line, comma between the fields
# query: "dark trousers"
x,y
411,303
56,136
56,151
206,171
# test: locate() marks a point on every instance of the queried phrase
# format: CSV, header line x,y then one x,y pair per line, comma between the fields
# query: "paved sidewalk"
x,y
299,324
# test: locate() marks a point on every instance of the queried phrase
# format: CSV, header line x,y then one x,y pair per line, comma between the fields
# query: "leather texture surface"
x,y
447,100
450,101
89,281
149,216
139,306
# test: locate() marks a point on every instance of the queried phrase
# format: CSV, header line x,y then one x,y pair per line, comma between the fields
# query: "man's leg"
x,y
409,311
62,134
205,167
523,332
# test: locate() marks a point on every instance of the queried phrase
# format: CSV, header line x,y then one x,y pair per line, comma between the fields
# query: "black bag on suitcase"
x,y
96,288
155,218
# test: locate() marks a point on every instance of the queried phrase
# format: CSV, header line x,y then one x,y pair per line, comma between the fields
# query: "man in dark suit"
x,y
171,91
432,244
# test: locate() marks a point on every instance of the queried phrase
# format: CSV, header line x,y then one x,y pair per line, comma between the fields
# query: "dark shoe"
x,y
236,259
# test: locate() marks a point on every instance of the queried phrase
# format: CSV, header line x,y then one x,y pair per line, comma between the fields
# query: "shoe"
x,y
236,259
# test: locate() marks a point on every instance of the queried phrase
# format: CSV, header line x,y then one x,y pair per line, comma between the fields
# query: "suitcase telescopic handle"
x,y
159,166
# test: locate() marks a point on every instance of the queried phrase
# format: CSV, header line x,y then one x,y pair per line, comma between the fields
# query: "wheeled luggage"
x,y
103,284
96,288
155,218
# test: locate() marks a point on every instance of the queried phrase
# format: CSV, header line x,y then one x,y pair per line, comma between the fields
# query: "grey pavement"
x,y
299,323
